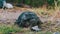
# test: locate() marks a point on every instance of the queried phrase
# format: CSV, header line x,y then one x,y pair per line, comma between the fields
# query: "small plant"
x,y
5,29
48,32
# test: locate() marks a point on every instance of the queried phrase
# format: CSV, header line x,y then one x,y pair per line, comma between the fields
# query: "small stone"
x,y
56,33
35,28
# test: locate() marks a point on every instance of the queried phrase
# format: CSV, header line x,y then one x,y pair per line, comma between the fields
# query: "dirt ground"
x,y
10,16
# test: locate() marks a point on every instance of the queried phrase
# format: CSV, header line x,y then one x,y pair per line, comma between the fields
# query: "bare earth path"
x,y
11,16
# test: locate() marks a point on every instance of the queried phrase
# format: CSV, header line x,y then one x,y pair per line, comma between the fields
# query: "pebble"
x,y
56,33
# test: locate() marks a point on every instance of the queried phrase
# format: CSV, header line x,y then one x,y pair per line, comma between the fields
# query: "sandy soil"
x,y
9,15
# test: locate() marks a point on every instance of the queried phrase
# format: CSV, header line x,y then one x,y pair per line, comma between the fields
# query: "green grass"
x,y
40,32
6,29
